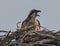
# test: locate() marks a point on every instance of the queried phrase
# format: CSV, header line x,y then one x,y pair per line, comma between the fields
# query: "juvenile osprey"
x,y
31,20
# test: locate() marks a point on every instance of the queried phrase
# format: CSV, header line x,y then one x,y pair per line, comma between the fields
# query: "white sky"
x,y
12,11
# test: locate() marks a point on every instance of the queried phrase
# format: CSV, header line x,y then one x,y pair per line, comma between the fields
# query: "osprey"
x,y
31,20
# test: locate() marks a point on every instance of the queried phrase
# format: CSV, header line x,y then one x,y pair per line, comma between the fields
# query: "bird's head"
x,y
34,12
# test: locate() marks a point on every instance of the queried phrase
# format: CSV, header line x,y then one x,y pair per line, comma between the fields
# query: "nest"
x,y
37,38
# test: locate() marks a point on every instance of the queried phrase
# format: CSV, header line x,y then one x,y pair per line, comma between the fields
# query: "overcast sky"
x,y
12,11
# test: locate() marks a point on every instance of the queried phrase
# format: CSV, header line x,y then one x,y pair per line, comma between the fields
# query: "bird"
x,y
31,20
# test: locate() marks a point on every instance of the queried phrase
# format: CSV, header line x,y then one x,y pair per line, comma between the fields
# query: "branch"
x,y
47,35
45,41
3,31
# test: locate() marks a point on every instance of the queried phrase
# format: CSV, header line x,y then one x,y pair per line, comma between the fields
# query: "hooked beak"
x,y
38,12
38,15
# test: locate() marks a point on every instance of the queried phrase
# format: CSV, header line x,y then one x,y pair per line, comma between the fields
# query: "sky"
x,y
12,11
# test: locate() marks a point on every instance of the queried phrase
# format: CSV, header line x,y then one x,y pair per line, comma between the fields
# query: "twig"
x,y
44,41
24,37
44,28
47,35
3,31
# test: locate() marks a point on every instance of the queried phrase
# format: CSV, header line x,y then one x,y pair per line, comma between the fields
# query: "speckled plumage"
x,y
31,20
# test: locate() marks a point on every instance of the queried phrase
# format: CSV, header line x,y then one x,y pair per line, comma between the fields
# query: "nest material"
x,y
40,38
